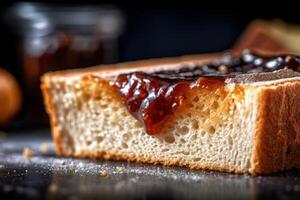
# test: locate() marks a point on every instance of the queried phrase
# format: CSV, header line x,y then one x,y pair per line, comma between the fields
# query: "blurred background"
x,y
37,37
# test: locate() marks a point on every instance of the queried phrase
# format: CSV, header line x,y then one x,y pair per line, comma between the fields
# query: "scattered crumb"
x,y
44,147
119,169
72,169
27,153
2,135
103,173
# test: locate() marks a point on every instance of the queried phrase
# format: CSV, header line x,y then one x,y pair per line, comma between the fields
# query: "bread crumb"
x,y
44,147
119,169
103,173
72,169
27,153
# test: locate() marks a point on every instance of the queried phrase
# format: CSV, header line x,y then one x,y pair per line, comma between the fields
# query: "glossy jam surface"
x,y
153,98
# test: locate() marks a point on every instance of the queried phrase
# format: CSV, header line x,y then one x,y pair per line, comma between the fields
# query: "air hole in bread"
x,y
207,112
248,164
196,99
230,141
121,128
124,114
182,140
103,106
98,138
88,142
211,130
203,133
239,163
195,124
85,97
115,109
194,137
184,130
126,137
215,105
169,139
124,145
78,105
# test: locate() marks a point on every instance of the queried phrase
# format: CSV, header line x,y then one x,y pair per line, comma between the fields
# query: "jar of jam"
x,y
61,37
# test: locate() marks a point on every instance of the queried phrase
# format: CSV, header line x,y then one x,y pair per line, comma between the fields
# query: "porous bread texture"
x,y
242,128
213,130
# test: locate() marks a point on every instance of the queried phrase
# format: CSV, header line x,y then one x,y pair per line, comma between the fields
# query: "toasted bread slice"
x,y
272,36
248,125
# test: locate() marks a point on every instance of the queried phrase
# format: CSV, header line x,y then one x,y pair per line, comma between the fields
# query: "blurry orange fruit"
x,y
10,97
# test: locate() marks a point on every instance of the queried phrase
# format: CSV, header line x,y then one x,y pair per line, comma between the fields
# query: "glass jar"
x,y
62,37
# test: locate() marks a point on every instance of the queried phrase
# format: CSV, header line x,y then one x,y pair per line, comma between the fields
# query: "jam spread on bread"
x,y
153,98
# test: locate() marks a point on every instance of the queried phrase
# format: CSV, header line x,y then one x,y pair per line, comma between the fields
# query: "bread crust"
x,y
276,142
277,139
49,105
108,72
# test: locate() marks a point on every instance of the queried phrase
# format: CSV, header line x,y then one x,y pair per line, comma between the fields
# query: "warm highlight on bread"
x,y
250,127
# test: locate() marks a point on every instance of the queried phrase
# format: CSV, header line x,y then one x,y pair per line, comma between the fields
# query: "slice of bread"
x,y
251,124
273,36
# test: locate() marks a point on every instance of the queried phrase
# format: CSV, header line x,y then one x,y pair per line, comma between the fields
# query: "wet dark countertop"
x,y
46,176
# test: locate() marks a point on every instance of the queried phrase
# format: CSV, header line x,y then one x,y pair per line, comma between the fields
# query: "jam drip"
x,y
153,98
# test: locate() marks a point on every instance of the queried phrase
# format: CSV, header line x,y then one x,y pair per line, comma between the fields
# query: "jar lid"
x,y
89,19
30,19
33,19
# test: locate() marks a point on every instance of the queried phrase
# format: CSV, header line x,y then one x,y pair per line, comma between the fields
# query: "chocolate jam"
x,y
153,98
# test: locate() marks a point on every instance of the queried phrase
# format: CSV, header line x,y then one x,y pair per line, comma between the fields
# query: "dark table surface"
x,y
46,176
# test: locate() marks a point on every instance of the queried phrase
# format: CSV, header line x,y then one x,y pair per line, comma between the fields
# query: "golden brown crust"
x,y
106,71
49,105
118,156
277,139
258,36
